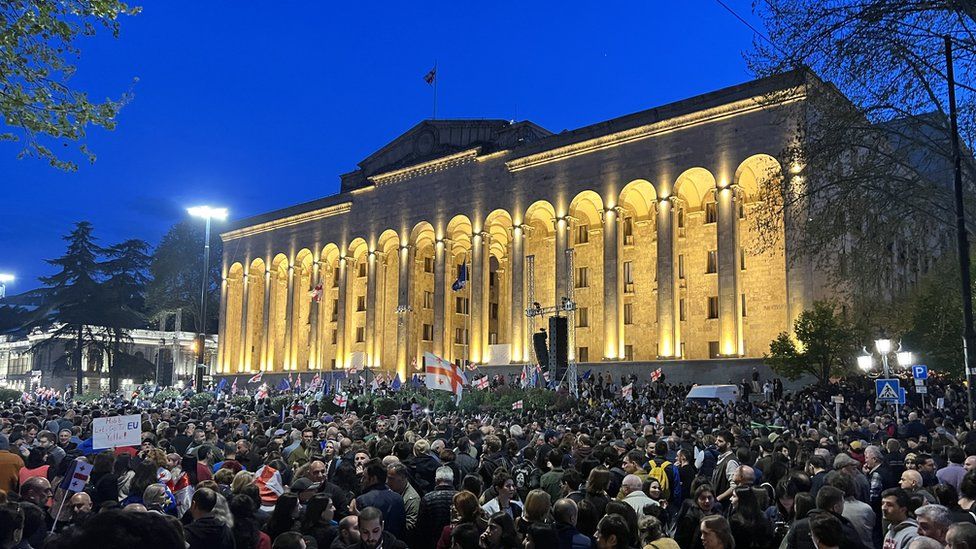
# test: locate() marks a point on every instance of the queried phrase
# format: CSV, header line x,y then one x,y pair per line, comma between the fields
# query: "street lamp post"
x,y
207,213
883,347
4,279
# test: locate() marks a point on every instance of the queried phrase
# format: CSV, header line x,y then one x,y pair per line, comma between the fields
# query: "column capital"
x,y
616,209
485,236
405,246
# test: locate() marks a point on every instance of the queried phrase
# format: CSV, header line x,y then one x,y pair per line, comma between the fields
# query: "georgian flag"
x,y
628,392
660,416
316,379
443,375
233,387
262,391
481,383
656,375
340,400
256,378
517,405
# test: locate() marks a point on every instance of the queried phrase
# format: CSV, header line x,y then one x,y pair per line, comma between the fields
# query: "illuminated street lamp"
x,y
883,346
207,213
4,279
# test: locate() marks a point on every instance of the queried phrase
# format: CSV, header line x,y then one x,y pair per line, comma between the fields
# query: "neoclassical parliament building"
x,y
643,221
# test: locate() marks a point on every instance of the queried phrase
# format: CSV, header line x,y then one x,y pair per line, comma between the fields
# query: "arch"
x,y
638,197
587,208
498,224
257,281
459,232
539,216
422,235
756,174
358,248
389,241
695,186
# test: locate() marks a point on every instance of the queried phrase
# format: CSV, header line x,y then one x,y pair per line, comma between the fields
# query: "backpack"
x,y
522,474
660,473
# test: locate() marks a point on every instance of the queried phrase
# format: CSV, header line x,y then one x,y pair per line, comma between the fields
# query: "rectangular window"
x,y
712,306
581,278
428,265
628,314
333,361
428,299
492,280
360,334
360,303
428,332
582,317
713,349
460,336
743,304
335,278
711,212
628,231
681,218
335,309
583,354
711,264
362,269
742,259
461,305
681,309
493,311
629,353
628,277
335,333
582,234
681,266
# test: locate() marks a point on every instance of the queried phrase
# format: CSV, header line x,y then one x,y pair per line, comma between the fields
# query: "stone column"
x,y
405,344
441,337
563,278
518,293
266,345
613,294
479,298
314,351
345,263
668,319
372,347
245,355
729,304
289,320
223,353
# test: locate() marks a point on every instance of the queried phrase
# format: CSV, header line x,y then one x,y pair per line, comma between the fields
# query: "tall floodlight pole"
x,y
207,213
4,279
962,238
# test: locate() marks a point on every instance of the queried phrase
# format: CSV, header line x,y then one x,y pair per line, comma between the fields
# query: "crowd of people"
x,y
615,469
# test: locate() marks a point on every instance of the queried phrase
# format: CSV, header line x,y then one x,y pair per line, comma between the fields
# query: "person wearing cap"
x,y
846,465
304,488
10,466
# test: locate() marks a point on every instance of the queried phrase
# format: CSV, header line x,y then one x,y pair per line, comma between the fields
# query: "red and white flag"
x,y
656,375
316,293
262,391
443,375
256,378
340,400
233,387
628,391
481,383
517,405
316,380
660,416
182,492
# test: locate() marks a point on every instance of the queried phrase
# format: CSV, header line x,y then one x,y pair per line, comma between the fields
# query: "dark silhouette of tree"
x,y
176,268
126,268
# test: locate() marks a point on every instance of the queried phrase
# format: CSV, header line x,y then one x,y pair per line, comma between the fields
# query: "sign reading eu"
x,y
887,390
920,371
110,432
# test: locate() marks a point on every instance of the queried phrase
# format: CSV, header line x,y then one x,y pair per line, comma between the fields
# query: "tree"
x,y
75,301
124,290
37,40
827,345
870,155
176,269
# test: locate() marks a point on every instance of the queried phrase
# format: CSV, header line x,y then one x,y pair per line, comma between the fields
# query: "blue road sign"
x,y
901,396
920,371
887,390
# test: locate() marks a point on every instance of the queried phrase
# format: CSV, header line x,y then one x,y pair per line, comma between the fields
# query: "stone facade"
x,y
644,221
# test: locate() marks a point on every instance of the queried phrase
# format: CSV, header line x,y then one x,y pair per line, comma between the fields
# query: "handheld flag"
x,y
660,416
517,405
298,383
221,385
256,378
340,400
628,391
262,391
656,374
77,476
396,382
462,278
481,383
233,387
443,375
587,374
431,76
316,293
283,385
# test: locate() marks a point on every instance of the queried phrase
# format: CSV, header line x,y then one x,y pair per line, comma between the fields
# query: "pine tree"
x,y
125,303
175,271
74,295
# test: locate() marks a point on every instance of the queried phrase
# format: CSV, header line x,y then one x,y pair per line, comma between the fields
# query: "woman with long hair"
x,y
701,505
464,510
500,533
104,479
284,518
319,521
715,533
597,483
750,527
247,534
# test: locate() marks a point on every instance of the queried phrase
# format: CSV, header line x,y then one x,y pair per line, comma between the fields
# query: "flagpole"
x,y
435,90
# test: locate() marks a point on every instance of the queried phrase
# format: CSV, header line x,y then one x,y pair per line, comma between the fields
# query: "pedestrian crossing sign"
x,y
887,390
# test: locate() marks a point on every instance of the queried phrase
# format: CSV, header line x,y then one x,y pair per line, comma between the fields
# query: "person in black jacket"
x,y
830,502
372,533
207,531
435,509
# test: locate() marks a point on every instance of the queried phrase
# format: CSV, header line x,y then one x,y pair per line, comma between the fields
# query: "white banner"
x,y
109,432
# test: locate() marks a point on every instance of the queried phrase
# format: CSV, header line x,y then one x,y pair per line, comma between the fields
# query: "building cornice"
x,y
714,114
425,168
314,215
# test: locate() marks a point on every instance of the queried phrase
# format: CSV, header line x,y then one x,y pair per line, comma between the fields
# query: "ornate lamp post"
x,y
883,347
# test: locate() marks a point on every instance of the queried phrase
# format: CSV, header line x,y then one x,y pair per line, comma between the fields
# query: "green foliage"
x,y
329,407
240,401
88,398
165,394
39,42
385,406
827,346
201,400
176,277
10,395
280,401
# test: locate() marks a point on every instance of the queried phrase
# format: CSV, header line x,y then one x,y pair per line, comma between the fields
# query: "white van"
x,y
710,393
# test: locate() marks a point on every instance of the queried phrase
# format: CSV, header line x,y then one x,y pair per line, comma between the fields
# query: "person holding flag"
x,y
444,376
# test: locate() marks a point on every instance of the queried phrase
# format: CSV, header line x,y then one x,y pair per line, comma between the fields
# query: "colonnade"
x,y
381,301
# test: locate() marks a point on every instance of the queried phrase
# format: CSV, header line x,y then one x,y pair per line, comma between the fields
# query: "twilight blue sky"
x,y
257,106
